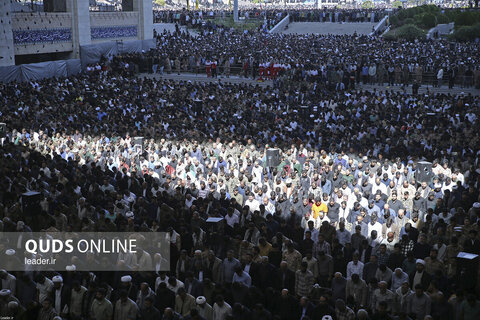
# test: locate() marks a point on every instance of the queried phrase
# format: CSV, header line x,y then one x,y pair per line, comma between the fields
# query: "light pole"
x,y
235,10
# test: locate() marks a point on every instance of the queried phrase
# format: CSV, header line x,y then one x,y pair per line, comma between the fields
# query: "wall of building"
x,y
7,55
42,32
25,33
106,26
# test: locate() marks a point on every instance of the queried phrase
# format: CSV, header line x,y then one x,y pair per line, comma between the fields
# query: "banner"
x,y
86,251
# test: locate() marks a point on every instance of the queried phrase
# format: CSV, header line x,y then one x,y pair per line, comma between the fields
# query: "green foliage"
x,y
397,4
466,33
428,20
160,3
249,24
408,32
467,18
368,4
408,21
394,21
427,16
442,19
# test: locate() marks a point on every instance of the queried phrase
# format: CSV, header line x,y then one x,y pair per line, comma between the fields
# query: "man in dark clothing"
x,y
370,269
149,312
164,297
286,305
285,278
472,245
305,308
395,260
421,249
420,276
381,312
323,309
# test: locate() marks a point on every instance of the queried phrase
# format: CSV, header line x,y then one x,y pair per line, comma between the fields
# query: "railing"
x,y
379,25
427,78
281,25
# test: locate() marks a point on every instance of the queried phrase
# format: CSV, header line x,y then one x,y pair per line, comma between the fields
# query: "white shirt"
x,y
220,313
232,220
354,268
44,289
58,299
343,236
178,285
254,205
159,280
377,226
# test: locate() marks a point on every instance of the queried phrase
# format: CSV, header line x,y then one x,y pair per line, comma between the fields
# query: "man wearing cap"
x,y
60,296
5,297
204,309
383,294
127,285
420,276
15,311
8,281
398,278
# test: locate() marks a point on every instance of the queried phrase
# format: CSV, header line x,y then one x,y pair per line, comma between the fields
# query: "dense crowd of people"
x,y
338,15
346,224
342,227
342,60
192,17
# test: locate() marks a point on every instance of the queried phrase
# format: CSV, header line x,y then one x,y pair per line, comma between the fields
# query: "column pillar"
x,y
7,49
145,18
80,24
235,10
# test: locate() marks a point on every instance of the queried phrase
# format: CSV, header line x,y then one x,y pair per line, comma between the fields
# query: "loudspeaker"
x,y
467,269
273,158
127,5
54,6
424,172
138,144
